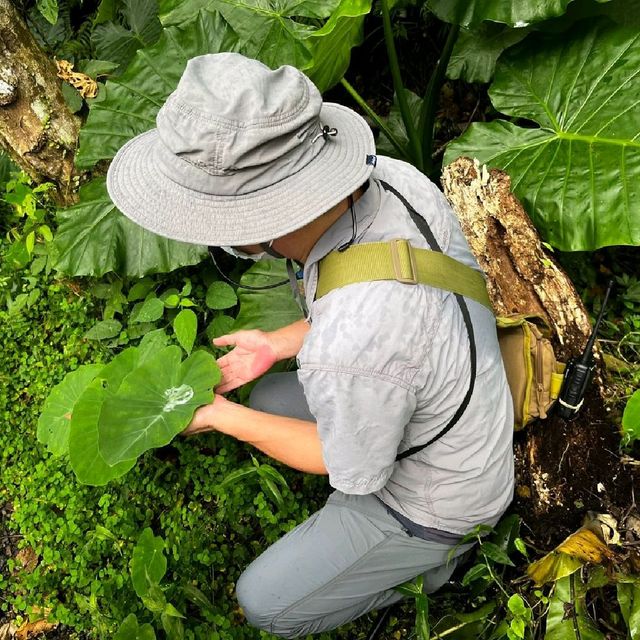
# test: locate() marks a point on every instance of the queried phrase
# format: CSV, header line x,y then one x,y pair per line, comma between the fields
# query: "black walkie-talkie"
x,y
579,372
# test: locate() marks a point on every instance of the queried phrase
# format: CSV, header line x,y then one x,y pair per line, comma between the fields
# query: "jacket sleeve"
x,y
361,419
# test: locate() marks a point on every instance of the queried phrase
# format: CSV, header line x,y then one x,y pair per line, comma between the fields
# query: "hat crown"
x,y
232,113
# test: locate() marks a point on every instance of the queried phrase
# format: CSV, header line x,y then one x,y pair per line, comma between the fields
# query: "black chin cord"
x,y
228,280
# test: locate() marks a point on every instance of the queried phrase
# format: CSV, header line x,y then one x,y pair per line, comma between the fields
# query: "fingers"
x,y
225,341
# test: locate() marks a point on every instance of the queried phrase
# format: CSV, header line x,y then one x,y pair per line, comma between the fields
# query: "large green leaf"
x,y
84,456
128,105
148,563
94,238
155,403
476,51
115,43
331,45
267,310
269,30
53,424
512,12
567,618
577,173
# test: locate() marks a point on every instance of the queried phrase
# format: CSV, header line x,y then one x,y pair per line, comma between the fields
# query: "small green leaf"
x,y
171,301
516,605
153,341
220,295
140,289
45,232
267,471
30,242
150,311
104,533
185,326
49,9
148,564
194,595
238,474
495,553
631,418
103,330
476,572
130,630
172,626
170,610
271,489
519,544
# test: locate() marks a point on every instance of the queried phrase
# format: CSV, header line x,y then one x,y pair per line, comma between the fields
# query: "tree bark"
x,y
562,467
37,130
522,276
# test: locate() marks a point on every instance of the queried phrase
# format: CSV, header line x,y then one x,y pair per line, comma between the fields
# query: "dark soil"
x,y
564,469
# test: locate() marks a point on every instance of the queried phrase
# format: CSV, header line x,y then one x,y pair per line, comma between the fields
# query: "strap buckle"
x,y
403,261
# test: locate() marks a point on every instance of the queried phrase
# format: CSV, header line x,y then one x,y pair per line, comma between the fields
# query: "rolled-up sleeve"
x,y
361,419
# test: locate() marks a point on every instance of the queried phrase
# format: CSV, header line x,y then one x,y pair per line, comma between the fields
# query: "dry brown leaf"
x,y
28,559
86,86
7,631
32,629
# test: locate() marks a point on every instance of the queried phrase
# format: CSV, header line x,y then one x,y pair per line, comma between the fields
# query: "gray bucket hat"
x,y
241,155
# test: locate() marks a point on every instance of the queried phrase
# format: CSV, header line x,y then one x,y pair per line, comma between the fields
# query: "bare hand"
x,y
253,355
204,419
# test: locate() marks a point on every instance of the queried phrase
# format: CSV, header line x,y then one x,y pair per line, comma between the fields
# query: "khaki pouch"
x,y
533,373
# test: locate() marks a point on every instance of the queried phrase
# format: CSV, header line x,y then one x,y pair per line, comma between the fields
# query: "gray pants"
x,y
340,563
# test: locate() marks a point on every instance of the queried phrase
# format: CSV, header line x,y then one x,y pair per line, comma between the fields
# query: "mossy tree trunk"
x,y
37,130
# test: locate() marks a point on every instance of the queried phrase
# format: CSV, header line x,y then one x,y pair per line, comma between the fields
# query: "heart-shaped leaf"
x,y
155,403
578,172
148,563
220,296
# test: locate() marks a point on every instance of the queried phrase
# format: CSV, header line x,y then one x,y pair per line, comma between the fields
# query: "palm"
x,y
251,356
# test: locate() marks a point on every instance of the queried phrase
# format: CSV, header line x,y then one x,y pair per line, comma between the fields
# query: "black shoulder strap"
x,y
425,230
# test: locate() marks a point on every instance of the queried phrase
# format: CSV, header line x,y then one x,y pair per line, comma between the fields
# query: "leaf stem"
x,y
430,101
402,152
412,134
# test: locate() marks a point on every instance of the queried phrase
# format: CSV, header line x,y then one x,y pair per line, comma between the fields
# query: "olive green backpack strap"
x,y
398,260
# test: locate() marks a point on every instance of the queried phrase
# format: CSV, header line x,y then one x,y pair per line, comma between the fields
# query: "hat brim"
x,y
154,201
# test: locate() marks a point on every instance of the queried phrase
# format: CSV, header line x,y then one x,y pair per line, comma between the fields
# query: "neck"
x,y
298,244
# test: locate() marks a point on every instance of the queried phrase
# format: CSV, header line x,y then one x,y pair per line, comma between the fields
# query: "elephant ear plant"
x,y
105,416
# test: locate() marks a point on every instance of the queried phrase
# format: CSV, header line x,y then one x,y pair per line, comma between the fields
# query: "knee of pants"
x,y
260,396
267,611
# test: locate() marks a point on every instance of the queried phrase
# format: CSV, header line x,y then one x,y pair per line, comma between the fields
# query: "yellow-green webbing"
x,y
398,260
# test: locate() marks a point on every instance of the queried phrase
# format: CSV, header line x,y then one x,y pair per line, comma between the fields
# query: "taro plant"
x,y
148,568
105,417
